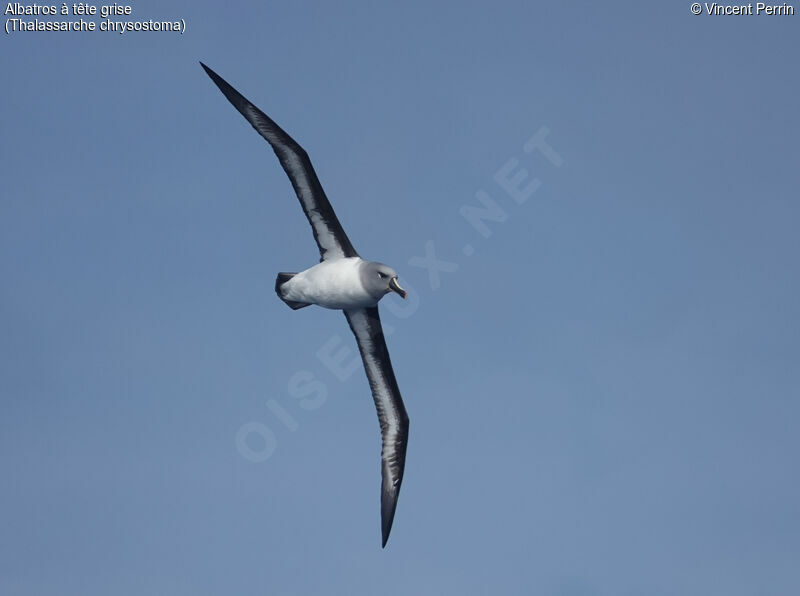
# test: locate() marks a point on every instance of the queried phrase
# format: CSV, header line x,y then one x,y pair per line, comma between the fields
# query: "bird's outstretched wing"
x,y
332,241
366,326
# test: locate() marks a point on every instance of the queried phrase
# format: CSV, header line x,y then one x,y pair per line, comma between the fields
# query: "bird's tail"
x,y
282,279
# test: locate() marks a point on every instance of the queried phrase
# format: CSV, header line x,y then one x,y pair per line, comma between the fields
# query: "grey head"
x,y
379,279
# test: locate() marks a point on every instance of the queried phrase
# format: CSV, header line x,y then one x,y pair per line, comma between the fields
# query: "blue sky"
x,y
603,395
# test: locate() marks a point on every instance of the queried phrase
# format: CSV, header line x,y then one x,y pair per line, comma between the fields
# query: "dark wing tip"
x,y
388,508
232,94
390,488
386,528
387,517
209,72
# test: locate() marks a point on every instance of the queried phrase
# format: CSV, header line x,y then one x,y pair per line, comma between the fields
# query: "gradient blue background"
x,y
603,398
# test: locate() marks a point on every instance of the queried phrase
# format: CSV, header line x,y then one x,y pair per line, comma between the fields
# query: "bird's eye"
x,y
381,275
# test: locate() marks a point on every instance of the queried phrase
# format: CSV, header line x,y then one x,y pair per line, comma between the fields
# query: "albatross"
x,y
342,280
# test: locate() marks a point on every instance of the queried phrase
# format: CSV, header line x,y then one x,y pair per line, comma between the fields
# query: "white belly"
x,y
332,284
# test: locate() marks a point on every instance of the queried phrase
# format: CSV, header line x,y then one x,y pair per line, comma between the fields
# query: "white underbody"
x,y
332,284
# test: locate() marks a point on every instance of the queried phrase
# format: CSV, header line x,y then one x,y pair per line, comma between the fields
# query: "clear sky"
x,y
603,394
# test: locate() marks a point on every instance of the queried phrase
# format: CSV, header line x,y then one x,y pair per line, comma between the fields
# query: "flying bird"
x,y
342,280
